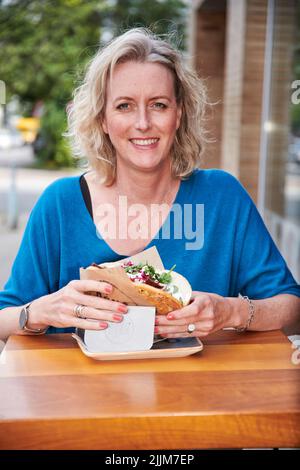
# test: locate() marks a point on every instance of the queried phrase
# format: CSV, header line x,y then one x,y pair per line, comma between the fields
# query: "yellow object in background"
x,y
28,126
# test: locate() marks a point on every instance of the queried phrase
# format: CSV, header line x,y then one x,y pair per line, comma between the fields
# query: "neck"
x,y
146,188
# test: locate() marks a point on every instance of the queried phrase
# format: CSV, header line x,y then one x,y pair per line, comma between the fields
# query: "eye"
x,y
159,105
123,106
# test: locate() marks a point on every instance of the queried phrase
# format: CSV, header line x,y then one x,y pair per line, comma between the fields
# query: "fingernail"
x,y
156,329
170,316
117,317
108,289
122,308
103,324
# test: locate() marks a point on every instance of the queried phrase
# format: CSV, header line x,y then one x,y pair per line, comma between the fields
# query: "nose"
x,y
142,119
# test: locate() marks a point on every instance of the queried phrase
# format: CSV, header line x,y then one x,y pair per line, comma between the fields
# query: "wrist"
x,y
34,316
239,312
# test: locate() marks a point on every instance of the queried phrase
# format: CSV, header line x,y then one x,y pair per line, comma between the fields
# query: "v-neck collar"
x,y
97,235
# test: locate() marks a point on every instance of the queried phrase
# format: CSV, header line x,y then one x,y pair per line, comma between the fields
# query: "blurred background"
x,y
247,50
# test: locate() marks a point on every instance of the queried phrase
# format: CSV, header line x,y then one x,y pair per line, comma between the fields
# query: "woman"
x,y
138,118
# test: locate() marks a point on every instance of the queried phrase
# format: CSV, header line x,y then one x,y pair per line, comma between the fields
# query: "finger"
x,y
91,286
201,327
100,303
85,324
191,310
162,320
96,314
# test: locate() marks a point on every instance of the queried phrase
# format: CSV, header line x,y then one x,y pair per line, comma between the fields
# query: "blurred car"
x,y
294,154
294,150
10,138
29,127
39,143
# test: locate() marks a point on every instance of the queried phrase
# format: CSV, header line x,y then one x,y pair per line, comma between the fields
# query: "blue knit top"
x,y
214,234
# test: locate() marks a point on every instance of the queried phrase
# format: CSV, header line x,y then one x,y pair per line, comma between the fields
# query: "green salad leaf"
x,y
164,278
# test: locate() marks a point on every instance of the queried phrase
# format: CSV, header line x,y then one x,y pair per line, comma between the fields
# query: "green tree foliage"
x,y
45,45
42,44
160,15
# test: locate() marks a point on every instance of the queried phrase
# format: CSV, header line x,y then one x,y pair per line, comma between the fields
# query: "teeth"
x,y
144,141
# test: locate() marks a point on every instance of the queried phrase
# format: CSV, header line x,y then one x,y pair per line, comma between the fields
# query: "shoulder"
x,y
60,190
215,175
219,181
61,185
56,199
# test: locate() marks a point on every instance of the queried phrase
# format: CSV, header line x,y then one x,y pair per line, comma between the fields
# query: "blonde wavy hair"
x,y
85,115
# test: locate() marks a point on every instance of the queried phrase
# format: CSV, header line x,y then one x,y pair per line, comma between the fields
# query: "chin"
x,y
147,168
148,164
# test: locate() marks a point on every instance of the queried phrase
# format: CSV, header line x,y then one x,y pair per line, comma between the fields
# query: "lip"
x,y
143,146
144,138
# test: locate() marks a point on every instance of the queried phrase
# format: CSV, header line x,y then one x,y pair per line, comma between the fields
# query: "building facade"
x,y
248,53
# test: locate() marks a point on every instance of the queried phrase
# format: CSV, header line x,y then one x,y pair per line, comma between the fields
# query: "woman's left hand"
x,y
208,312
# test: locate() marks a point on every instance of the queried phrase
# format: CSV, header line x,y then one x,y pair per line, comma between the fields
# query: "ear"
x,y
178,117
104,126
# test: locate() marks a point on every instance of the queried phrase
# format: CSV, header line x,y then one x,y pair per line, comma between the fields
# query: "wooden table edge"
x,y
153,432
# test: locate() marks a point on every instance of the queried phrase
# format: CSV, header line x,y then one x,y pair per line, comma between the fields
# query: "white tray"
x,y
164,349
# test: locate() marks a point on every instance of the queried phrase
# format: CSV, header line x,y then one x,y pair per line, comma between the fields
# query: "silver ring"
x,y
191,327
78,310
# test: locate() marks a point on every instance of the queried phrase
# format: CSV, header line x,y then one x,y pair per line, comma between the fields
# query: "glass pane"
x,y
282,197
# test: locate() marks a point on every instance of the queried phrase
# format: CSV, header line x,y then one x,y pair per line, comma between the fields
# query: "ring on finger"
x,y
191,327
78,309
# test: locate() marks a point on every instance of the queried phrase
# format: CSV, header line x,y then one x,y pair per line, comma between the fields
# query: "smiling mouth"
x,y
144,142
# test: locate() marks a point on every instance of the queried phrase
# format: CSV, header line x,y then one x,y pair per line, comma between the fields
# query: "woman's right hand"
x,y
58,309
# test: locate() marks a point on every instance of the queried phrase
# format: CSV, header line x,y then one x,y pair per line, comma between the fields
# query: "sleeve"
x,y
35,269
262,271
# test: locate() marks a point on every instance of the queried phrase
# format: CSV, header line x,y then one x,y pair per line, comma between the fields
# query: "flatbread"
x,y
163,301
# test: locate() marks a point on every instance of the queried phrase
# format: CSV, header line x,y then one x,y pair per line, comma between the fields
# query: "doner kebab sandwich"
x,y
142,284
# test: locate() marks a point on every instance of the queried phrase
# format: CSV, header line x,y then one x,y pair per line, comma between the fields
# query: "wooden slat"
x,y
213,357
249,337
148,394
170,432
56,341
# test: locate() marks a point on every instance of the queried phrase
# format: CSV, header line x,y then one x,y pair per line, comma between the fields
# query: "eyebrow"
x,y
165,97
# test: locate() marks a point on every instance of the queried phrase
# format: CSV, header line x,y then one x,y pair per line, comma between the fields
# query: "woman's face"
x,y
141,114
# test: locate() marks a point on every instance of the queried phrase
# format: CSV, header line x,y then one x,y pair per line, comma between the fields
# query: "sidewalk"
x,y
9,244
30,184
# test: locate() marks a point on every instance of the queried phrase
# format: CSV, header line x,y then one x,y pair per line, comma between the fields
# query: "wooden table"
x,y
241,391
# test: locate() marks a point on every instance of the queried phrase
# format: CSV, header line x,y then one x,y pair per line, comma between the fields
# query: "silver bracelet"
x,y
250,316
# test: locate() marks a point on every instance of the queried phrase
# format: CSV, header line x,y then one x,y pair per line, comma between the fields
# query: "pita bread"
x,y
163,301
